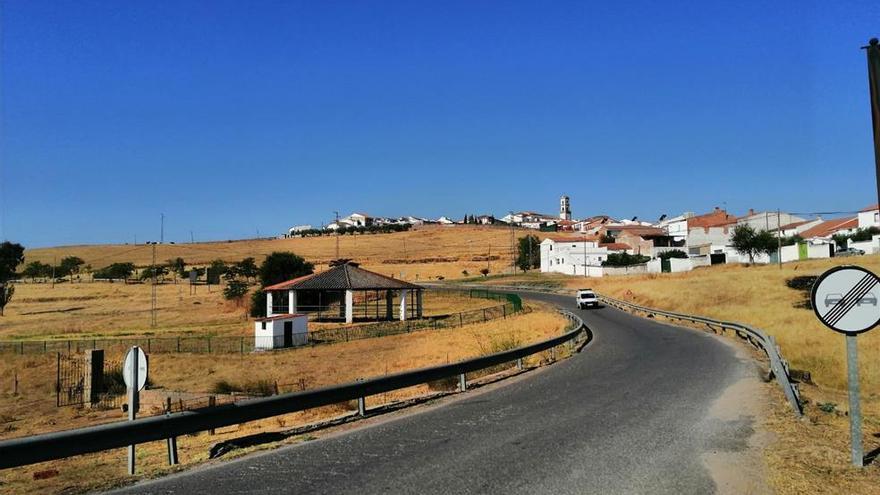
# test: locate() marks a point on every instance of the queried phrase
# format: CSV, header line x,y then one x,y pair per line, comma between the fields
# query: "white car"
x,y
586,298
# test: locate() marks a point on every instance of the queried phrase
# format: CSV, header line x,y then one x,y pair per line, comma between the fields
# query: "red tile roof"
x,y
716,218
830,227
573,239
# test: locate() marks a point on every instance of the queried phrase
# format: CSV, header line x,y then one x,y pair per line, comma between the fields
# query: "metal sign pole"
x,y
133,402
855,410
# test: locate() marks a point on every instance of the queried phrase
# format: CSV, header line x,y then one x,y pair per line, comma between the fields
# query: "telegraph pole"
x,y
778,240
873,54
162,231
337,233
153,304
512,247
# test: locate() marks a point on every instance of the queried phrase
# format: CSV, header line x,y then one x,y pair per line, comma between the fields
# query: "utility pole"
x,y
153,290
54,262
778,240
585,255
337,233
192,238
162,230
512,248
873,54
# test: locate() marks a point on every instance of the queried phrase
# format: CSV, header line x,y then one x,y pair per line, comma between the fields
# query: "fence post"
x,y
21,348
241,347
209,352
462,382
484,315
45,348
178,344
58,381
460,320
149,345
519,364
504,311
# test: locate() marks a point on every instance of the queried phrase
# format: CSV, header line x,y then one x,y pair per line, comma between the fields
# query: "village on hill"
x,y
602,245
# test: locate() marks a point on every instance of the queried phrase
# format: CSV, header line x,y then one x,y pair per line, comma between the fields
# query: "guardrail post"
x,y
462,382
519,364
362,403
172,441
212,401
552,354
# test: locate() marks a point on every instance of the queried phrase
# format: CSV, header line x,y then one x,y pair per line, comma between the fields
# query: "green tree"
x,y
745,240
625,259
675,253
528,252
11,255
276,268
178,266
862,235
235,290
794,239
159,270
116,270
37,269
247,268
69,266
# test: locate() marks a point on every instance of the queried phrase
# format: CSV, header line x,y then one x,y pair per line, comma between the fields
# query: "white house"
x,y
869,217
768,220
358,220
573,255
296,229
277,331
445,221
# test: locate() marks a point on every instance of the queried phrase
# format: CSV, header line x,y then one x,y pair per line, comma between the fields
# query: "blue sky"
x,y
237,117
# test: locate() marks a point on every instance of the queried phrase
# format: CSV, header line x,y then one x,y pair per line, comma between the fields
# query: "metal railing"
x,y
755,337
58,445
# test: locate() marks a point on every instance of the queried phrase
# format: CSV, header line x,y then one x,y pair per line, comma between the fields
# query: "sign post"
x,y
134,372
845,299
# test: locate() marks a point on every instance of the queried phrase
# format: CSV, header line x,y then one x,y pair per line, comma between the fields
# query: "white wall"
x,y
272,337
680,265
869,247
869,219
790,253
653,266
571,257
819,251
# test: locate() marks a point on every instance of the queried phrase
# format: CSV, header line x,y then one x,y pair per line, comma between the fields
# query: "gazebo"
x,y
348,292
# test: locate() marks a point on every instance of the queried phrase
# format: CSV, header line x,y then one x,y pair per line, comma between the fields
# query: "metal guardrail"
x,y
58,445
756,337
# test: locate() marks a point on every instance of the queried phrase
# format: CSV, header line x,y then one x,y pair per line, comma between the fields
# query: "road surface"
x,y
636,412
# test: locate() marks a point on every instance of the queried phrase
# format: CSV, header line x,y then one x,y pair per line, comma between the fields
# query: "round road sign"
x,y
845,299
142,368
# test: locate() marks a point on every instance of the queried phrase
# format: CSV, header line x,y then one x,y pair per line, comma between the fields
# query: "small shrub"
x,y
225,387
827,407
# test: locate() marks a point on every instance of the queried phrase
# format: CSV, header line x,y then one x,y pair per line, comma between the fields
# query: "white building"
x,y
445,221
573,255
869,217
768,220
277,331
296,229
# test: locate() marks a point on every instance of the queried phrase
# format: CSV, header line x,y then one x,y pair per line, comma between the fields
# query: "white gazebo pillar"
x,y
291,301
269,303
349,306
403,294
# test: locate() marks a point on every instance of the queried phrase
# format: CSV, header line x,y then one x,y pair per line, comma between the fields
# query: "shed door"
x,y
288,334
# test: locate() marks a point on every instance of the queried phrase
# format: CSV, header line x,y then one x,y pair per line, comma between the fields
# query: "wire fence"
x,y
204,344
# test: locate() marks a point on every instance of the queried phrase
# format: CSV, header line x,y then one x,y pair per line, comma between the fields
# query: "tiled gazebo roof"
x,y
347,276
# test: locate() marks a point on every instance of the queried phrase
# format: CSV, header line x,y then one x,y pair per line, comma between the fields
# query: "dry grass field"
x,y
33,410
101,309
426,252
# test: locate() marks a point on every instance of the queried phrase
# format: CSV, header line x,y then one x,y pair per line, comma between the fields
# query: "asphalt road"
x,y
630,414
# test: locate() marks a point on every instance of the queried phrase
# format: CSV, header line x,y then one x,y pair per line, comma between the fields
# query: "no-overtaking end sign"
x,y
847,299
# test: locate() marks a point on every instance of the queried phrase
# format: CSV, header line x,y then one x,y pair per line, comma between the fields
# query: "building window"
x,y
263,325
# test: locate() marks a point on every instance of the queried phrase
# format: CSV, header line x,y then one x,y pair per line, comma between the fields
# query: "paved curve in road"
x,y
631,414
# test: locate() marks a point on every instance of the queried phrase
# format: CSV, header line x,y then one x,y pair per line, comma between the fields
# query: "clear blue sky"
x,y
231,117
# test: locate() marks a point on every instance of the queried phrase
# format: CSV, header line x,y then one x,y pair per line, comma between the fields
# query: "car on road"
x,y
849,252
586,298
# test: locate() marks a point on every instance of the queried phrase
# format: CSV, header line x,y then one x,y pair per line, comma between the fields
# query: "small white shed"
x,y
275,332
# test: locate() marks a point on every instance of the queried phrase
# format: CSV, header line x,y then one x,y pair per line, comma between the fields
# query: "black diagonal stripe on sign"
x,y
855,299
841,304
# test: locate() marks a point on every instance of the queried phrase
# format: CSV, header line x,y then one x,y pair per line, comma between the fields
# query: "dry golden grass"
x,y
86,310
34,411
421,254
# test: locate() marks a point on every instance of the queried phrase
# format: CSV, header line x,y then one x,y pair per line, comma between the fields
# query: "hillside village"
x,y
602,245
